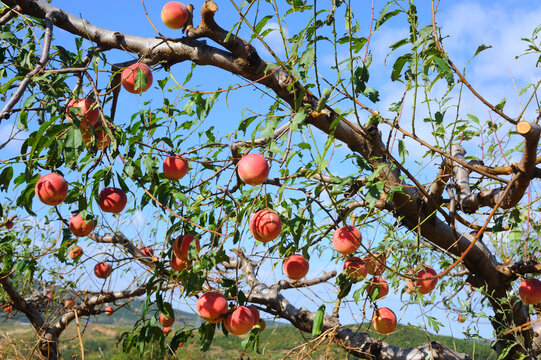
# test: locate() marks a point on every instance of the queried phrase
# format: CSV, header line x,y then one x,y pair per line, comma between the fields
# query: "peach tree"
x,y
178,164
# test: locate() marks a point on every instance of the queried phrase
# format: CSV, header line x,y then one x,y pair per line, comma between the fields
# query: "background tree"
x,y
403,179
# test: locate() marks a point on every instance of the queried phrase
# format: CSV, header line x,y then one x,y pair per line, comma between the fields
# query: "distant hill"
x,y
101,334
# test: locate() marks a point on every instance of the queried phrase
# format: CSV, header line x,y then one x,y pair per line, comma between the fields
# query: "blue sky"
x,y
466,25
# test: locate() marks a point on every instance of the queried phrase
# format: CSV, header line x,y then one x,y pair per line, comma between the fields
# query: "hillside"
x,y
101,334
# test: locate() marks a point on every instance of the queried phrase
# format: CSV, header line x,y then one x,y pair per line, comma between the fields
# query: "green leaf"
x,y
482,47
140,80
318,320
383,17
399,65
501,104
298,120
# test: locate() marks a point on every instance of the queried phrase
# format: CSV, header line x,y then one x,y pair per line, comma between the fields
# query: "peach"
x,y
69,303
102,270
384,320
166,320
52,189
253,169
375,263
177,264
346,240
175,167
355,268
102,138
265,225
422,286
175,15
380,284
9,308
530,291
212,306
84,112
296,267
166,330
461,318
240,321
9,224
255,313
147,251
75,252
109,311
112,200
181,245
80,227
133,82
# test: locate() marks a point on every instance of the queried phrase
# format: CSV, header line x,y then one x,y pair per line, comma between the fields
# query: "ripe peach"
x,y
69,303
174,15
346,240
166,330
265,225
377,283
177,264
461,318
109,311
253,169
9,224
240,321
83,111
75,252
147,251
422,286
52,189
212,306
255,313
166,321
355,268
375,263
80,227
130,75
102,270
102,138
530,291
9,308
384,320
181,245
296,267
112,200
175,167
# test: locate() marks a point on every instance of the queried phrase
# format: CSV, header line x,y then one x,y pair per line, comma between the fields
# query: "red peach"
x,y
130,74
147,251
9,308
265,225
175,167
166,330
240,321
375,263
166,321
102,270
80,227
75,252
255,313
212,306
109,311
112,200
530,291
377,283
83,111
422,286
52,189
253,169
174,15
384,320
355,268
69,303
346,240
177,264
296,267
461,318
181,245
